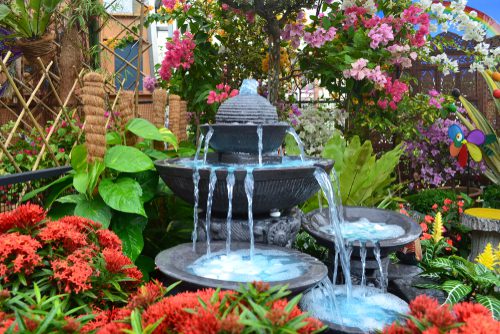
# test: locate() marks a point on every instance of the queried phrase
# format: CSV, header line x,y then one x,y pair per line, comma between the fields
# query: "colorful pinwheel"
x,y
462,147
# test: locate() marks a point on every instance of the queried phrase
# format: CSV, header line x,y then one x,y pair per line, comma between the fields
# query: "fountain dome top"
x,y
247,108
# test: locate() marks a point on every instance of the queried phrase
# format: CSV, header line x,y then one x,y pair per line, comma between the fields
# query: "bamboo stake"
x,y
10,157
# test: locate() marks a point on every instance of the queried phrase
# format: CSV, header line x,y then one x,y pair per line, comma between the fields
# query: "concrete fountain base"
x,y
174,264
278,231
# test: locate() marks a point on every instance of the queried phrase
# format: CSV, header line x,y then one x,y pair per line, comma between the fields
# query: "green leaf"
x,y
146,265
74,198
168,137
144,129
491,303
123,195
81,181
127,159
129,229
96,169
94,209
456,291
60,210
148,181
79,158
155,154
113,138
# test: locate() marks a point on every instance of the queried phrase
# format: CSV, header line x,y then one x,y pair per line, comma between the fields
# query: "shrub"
x,y
425,199
427,316
71,256
492,196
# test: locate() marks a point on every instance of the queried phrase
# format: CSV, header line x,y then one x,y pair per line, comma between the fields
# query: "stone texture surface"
x,y
279,231
404,288
483,231
244,109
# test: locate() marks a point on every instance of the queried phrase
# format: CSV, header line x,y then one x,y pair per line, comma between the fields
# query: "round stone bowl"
x,y
173,263
243,138
274,188
313,221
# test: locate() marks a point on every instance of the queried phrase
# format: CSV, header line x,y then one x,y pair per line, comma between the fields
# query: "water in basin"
x,y
369,308
286,162
266,265
366,230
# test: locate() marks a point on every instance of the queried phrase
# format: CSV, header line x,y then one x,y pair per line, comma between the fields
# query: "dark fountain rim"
x,y
214,126
406,238
316,272
325,164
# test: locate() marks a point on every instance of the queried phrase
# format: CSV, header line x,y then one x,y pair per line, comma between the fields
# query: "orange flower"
x,y
447,201
108,239
435,206
426,236
460,203
424,227
445,208
428,219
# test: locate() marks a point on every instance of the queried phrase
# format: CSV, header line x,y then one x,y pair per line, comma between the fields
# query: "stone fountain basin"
x,y
243,138
313,221
274,188
173,263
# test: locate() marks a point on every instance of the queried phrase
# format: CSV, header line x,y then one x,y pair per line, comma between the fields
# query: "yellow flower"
x,y
437,231
497,255
279,16
111,43
487,258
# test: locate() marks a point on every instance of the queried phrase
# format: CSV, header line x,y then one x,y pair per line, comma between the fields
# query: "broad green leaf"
x,y
168,137
60,210
129,229
456,291
79,158
123,195
95,171
113,138
127,159
491,303
148,181
81,181
146,265
144,129
74,199
95,210
155,154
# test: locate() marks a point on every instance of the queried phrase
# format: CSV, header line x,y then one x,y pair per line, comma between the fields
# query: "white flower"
x,y
482,48
438,9
425,4
445,27
476,67
433,27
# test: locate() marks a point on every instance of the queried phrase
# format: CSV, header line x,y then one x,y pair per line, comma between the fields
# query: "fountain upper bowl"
x,y
243,138
275,186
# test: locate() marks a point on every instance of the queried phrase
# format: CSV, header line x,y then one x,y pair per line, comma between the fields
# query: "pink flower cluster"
x,y
179,54
415,16
381,34
319,37
359,71
293,32
169,4
401,55
435,99
149,83
224,93
394,90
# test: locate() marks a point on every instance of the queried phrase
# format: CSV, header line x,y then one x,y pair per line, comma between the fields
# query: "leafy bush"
x,y
425,199
113,192
427,316
492,196
73,256
305,243
365,179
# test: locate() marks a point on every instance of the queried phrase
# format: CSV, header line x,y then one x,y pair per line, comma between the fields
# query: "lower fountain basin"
x,y
177,265
317,222
243,138
279,186
369,310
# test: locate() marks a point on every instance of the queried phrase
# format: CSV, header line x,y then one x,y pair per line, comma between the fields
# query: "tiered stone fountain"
x,y
245,218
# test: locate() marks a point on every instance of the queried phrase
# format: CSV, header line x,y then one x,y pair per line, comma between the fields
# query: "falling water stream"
x,y
230,181
362,253
207,142
260,145
196,183
324,181
376,251
211,187
249,185
198,149
298,141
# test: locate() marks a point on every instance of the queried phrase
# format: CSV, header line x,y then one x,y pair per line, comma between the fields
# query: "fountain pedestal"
x,y
278,231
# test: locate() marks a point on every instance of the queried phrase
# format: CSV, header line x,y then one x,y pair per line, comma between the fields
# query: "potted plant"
x,y
28,22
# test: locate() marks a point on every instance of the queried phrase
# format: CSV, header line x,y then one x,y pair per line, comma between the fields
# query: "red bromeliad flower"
x,y
18,254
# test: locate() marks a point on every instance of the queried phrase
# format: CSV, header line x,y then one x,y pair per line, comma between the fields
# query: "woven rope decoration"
x,y
177,119
159,104
126,109
94,108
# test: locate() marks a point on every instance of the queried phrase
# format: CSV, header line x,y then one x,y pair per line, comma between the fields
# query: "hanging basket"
x,y
44,47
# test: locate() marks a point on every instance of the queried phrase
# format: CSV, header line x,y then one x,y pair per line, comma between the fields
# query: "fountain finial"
x,y
249,87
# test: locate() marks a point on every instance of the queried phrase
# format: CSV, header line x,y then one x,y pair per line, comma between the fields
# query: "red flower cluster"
x,y
18,254
24,217
428,317
74,249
